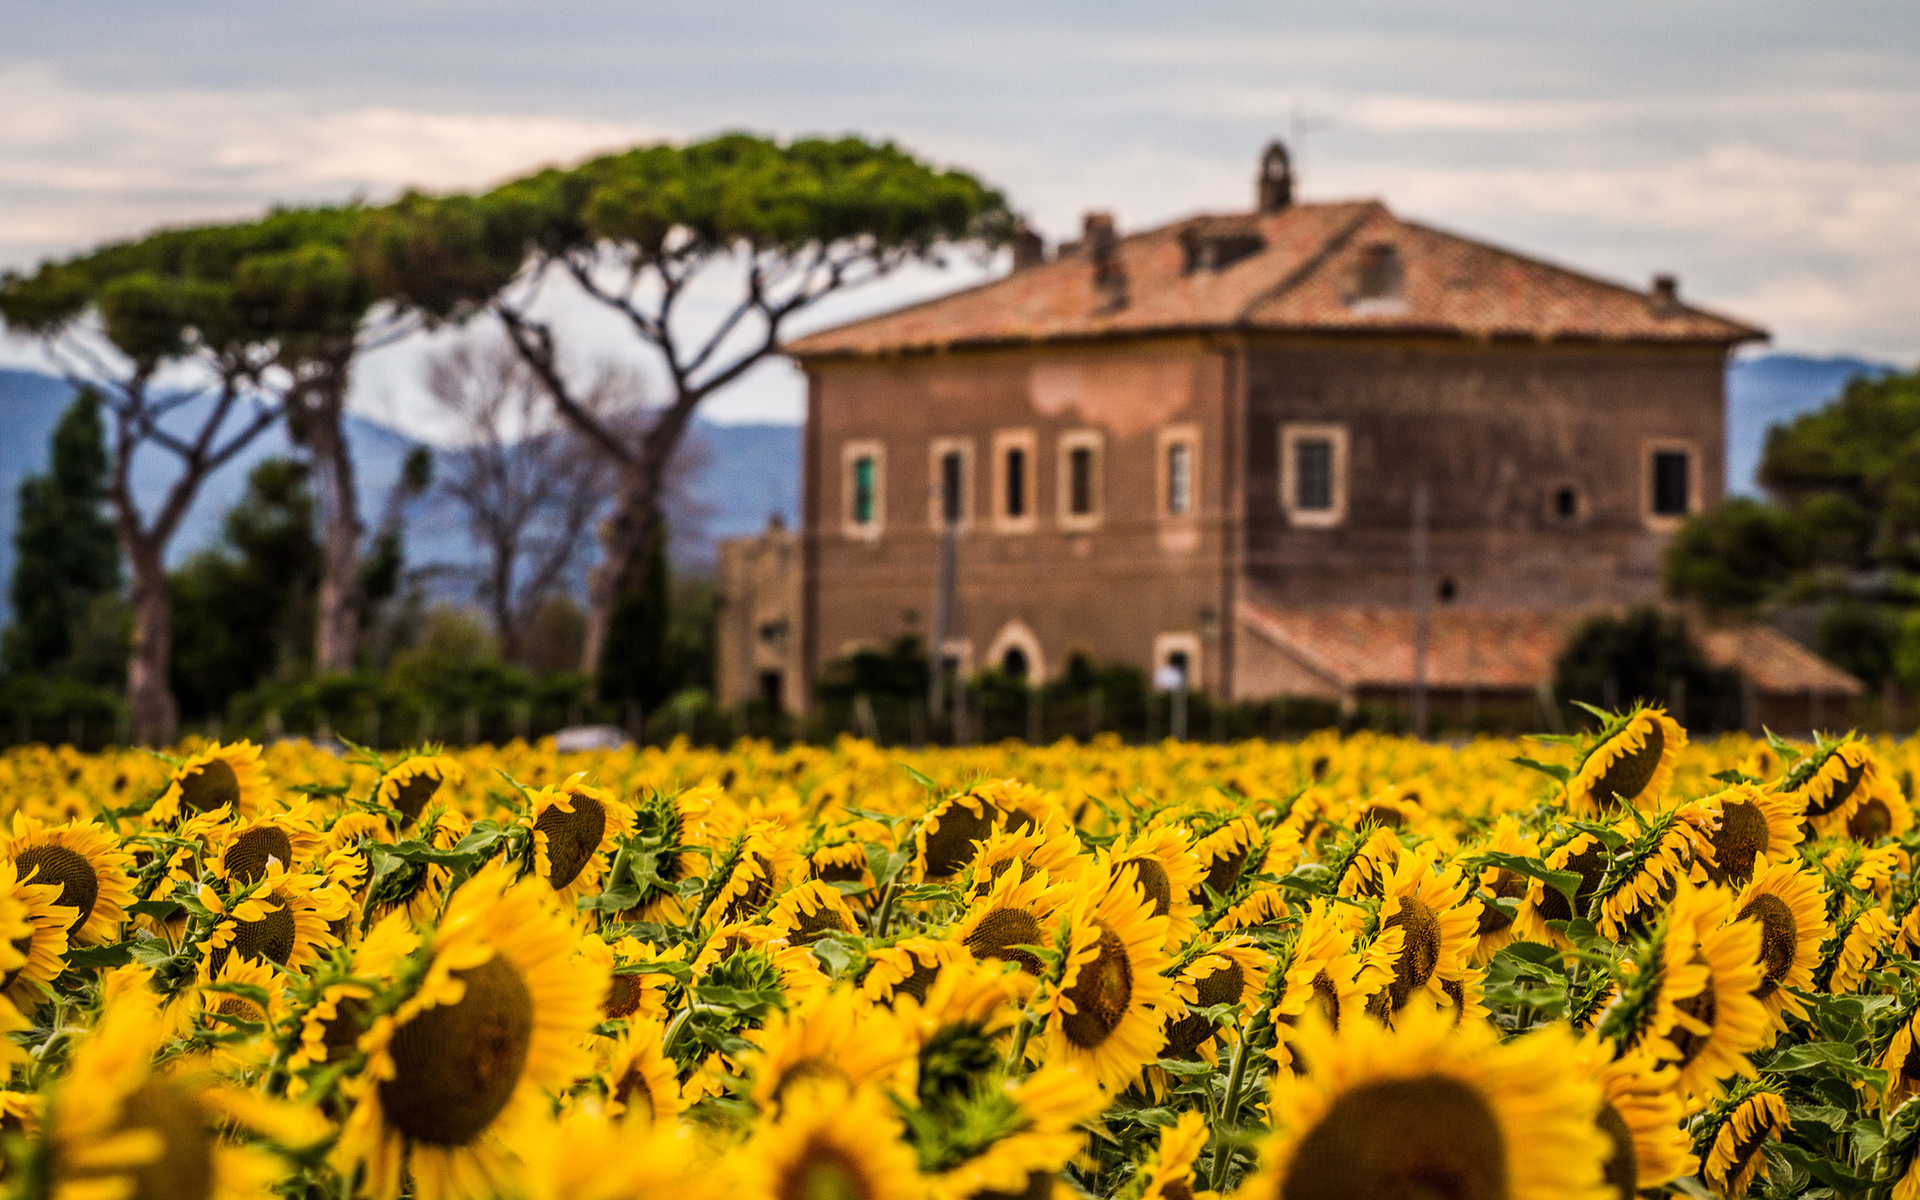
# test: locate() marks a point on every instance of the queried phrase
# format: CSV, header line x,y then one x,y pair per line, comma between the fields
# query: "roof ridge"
x,y
1300,274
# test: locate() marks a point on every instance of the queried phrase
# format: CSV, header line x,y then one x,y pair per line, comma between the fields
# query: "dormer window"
x,y
1215,244
1379,283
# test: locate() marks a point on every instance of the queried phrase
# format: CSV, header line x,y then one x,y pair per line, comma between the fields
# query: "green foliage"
x,y
66,550
243,610
1646,655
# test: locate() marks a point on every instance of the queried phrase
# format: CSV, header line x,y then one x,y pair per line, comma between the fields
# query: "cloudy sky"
x,y
1769,153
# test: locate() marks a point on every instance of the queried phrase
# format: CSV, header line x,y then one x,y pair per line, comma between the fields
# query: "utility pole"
x,y
942,621
1422,612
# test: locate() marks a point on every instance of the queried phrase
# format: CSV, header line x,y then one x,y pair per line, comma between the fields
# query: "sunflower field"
x,y
1608,965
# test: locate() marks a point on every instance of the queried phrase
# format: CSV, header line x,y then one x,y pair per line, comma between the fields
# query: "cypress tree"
x,y
66,552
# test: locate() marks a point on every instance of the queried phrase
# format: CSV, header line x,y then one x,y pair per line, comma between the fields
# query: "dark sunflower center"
x,y
1329,997
1222,872
455,1066
245,1010
623,998
209,786
1224,986
632,1091
1622,1170
1153,880
1910,1065
246,859
1703,1007
1177,1189
1591,865
1871,821
833,871
1506,885
919,981
807,1070
1841,792
79,885
1740,840
412,796
1430,1136
572,837
271,937
824,1172
811,927
951,846
1100,994
341,1032
1744,1148
756,895
997,934
184,1168
1779,939
1629,774
1383,814
21,944
1420,953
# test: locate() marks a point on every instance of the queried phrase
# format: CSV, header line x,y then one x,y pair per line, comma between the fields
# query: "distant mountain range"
x,y
744,472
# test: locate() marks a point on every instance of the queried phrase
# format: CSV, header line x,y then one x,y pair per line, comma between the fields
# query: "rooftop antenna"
x,y
1300,123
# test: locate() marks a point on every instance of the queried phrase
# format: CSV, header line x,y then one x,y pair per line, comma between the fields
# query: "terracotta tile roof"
x,y
1291,270
1503,650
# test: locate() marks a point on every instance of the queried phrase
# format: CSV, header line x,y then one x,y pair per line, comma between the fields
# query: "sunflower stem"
x,y
673,1028
885,915
1017,1054
1229,1110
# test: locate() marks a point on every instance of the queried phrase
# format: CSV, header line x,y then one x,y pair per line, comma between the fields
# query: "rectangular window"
x,y
1080,481
953,489
1016,481
1313,474
1179,479
863,481
1672,496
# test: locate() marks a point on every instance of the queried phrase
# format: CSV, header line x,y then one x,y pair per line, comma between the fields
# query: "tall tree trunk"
x,y
337,623
154,715
625,540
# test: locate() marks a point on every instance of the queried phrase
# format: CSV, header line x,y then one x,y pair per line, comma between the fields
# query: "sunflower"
x,y
1900,1059
1864,868
590,1155
1883,813
419,888
1323,973
94,874
410,784
1170,1173
909,968
330,1029
1104,1015
1831,783
1223,856
1162,865
279,917
1745,829
1736,1133
1441,922
43,947
218,777
1497,929
949,836
239,850
843,862
1427,1108
1859,946
810,911
1641,1115
574,827
677,820
118,1125
1716,1026
456,1072
1013,915
1789,906
751,872
793,968
1232,971
641,1083
1364,869
829,1036
1259,907
1645,873
1024,1134
633,991
832,1141
1033,849
228,1010
1630,762
1584,855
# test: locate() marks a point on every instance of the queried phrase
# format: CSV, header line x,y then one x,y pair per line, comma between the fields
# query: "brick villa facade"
x,y
1186,445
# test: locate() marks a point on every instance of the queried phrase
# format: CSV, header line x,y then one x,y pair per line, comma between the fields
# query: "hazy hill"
x,y
745,471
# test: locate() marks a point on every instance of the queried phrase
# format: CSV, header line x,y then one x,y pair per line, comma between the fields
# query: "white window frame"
x,y
1291,435
1016,633
850,453
938,449
1093,441
1668,522
1028,441
1170,437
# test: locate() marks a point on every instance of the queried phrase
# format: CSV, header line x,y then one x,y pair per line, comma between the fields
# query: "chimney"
x,y
1273,189
1102,245
1665,297
1029,248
